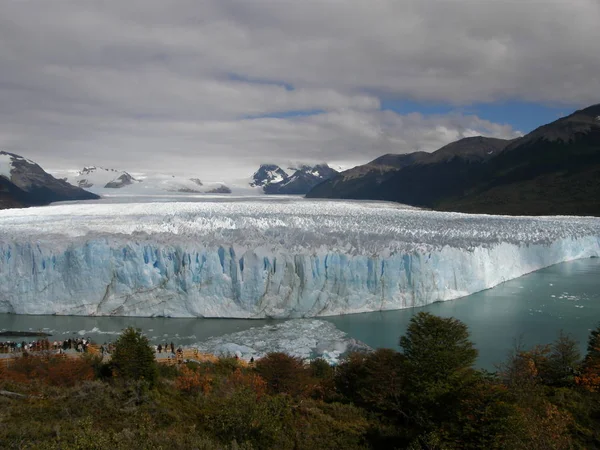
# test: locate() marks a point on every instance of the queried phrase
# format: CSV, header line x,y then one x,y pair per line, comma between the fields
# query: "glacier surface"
x,y
252,258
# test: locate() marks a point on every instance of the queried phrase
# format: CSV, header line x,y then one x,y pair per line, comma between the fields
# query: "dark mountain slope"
x,y
553,170
358,182
471,149
27,184
11,196
414,178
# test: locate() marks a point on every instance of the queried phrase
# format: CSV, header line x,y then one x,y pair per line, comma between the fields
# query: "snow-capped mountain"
x,y
268,174
293,181
110,181
24,183
97,177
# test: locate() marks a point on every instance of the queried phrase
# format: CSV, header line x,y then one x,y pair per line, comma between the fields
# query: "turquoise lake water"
x,y
531,309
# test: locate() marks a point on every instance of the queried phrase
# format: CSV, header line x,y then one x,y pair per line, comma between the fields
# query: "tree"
x,y
285,374
373,381
563,361
524,369
133,358
438,360
437,347
590,373
593,348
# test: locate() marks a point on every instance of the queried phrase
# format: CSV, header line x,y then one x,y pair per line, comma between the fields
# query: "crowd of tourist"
x,y
79,345
165,348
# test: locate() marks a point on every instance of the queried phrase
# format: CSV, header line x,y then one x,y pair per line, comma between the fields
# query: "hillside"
x,y
420,177
553,170
24,183
358,182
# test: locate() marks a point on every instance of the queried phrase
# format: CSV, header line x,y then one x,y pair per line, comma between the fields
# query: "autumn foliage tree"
x,y
590,371
53,370
193,381
285,374
427,395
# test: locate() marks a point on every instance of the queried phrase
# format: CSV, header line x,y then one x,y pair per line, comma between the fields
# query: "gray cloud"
x,y
208,86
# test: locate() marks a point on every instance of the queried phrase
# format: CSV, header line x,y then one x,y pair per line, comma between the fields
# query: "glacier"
x,y
257,258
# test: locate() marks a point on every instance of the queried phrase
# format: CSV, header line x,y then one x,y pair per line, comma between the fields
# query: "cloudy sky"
x,y
215,87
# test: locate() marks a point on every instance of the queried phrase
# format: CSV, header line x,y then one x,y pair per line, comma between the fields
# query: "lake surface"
x,y
532,308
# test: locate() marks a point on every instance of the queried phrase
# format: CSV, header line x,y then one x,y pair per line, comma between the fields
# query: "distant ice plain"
x,y
266,257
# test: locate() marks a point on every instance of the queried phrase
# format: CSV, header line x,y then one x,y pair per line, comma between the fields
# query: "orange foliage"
x,y
49,369
525,367
590,379
590,374
546,427
239,380
191,381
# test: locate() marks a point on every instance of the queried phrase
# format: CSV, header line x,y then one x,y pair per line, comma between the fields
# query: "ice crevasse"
x,y
266,259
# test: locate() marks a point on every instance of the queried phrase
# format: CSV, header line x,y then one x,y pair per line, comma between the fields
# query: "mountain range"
x,y
106,181
553,170
293,181
93,176
24,183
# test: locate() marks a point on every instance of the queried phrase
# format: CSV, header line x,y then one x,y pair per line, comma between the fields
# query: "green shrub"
x,y
133,357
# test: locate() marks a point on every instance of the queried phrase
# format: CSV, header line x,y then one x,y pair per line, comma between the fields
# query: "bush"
x,y
373,381
285,374
324,375
192,381
244,418
50,369
133,357
223,366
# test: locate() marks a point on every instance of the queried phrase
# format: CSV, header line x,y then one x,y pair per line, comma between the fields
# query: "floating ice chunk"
x,y
303,338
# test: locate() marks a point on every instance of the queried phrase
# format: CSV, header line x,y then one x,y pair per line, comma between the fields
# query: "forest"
x,y
426,395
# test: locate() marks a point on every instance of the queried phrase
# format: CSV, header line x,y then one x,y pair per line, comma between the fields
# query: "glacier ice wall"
x,y
286,258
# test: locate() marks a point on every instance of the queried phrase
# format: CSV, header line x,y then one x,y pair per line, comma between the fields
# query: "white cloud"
x,y
186,85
